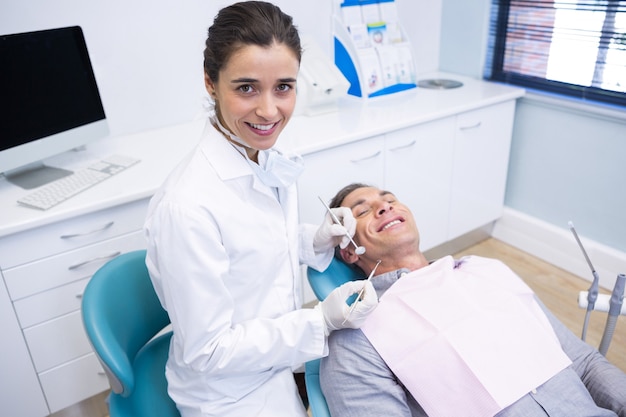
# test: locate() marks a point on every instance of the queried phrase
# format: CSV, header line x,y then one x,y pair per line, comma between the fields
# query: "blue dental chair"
x,y
322,283
122,315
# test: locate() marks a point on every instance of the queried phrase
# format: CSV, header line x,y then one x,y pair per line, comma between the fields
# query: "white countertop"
x,y
161,149
358,118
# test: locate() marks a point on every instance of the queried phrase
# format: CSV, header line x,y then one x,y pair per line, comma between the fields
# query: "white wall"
x,y
147,54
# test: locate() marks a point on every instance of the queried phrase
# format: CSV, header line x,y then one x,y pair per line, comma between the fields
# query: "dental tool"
x,y
359,250
592,294
615,308
360,294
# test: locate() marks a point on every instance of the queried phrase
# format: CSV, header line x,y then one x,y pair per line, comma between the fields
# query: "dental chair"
x,y
322,283
122,315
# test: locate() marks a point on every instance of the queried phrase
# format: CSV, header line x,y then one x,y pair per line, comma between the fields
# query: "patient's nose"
x,y
384,207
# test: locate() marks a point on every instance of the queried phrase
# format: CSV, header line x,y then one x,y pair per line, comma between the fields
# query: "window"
x,y
575,48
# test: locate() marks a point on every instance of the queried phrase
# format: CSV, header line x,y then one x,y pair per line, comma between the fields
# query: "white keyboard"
x,y
60,190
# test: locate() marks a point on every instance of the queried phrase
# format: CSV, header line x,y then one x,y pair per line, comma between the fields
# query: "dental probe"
x,y
592,294
360,294
359,250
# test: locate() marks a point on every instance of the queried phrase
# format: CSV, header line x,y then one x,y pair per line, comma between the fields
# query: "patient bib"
x,y
466,338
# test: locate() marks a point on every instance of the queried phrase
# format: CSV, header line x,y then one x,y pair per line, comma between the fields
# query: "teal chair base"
x,y
125,323
149,398
322,283
317,402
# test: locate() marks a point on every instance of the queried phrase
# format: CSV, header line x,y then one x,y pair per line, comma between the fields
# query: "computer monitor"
x,y
49,102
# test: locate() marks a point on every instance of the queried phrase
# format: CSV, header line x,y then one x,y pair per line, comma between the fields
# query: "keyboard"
x,y
62,189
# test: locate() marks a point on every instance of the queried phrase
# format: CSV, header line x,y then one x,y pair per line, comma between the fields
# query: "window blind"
x,y
574,48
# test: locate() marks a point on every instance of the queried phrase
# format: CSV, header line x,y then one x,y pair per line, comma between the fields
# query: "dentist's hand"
x,y
331,234
337,312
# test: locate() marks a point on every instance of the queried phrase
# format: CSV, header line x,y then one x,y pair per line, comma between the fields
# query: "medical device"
x,y
603,303
360,294
615,309
320,83
592,294
614,303
359,250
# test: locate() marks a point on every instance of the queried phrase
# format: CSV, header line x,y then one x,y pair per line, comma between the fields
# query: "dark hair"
x,y
247,23
343,193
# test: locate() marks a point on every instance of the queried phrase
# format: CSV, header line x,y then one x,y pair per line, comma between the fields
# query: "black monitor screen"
x,y
47,85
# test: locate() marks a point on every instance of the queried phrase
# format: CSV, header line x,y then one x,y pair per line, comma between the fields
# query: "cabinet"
x,y
480,165
45,270
450,171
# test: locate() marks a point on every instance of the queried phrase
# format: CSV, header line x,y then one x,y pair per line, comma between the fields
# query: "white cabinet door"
x,y
20,394
73,382
327,171
418,170
57,341
481,159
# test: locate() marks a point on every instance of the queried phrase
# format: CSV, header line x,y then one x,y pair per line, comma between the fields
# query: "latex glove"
x,y
331,234
336,310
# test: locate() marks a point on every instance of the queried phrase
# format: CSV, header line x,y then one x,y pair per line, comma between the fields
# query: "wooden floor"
x,y
557,288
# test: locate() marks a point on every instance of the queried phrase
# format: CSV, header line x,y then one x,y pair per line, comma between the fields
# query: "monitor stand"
x,y
35,175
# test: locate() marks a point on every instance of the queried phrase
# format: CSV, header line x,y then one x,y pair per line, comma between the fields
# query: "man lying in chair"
x,y
454,337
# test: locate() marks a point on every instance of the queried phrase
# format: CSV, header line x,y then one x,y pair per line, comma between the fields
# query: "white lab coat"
x,y
223,258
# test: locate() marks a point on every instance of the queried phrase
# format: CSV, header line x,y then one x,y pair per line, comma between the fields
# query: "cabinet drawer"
x,y
67,267
57,341
50,304
70,234
73,382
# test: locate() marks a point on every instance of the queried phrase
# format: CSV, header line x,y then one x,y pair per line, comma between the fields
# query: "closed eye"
x,y
360,211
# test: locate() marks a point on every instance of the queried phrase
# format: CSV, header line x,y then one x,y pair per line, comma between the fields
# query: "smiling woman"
x,y
255,95
223,240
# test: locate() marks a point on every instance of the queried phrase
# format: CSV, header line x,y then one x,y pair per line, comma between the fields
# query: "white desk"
x,y
444,152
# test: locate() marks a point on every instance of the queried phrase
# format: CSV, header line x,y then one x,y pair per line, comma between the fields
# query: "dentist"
x,y
223,239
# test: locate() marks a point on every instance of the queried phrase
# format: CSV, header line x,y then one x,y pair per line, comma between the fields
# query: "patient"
x,y
453,337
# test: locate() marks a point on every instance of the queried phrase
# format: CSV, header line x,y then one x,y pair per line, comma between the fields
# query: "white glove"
x,y
331,234
336,310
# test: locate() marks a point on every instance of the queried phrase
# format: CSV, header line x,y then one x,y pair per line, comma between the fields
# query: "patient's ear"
x,y
348,255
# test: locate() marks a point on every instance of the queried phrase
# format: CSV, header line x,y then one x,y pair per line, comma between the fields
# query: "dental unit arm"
x,y
592,294
591,300
615,309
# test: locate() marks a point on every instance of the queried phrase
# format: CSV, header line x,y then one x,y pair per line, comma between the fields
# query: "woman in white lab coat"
x,y
224,244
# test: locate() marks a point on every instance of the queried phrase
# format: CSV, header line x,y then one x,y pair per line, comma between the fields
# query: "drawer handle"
x,y
408,145
98,259
474,126
365,158
105,227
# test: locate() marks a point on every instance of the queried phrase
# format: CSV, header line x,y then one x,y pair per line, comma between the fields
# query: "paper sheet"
x,y
465,341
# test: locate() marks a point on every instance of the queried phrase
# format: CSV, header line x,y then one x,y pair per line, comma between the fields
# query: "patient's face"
x,y
383,223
